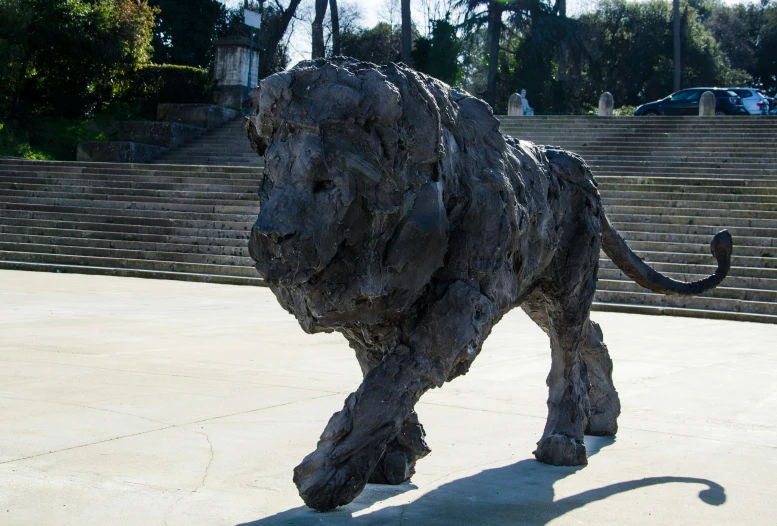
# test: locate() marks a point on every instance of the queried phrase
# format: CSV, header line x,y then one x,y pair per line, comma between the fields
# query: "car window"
x,y
743,92
681,95
694,95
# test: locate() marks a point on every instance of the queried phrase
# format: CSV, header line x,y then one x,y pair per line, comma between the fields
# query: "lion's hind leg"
x,y
604,402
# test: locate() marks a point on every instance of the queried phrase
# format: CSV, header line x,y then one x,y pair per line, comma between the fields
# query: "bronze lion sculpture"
x,y
394,212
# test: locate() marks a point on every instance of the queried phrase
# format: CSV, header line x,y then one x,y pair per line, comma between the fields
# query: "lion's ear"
x,y
420,241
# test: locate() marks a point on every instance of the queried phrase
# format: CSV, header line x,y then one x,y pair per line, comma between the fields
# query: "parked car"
x,y
756,103
686,102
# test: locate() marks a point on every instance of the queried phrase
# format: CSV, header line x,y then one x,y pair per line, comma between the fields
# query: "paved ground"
x,y
129,401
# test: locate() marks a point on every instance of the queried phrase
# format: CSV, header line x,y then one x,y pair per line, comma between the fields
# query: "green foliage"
x,y
185,30
624,111
629,52
380,45
439,54
153,84
66,54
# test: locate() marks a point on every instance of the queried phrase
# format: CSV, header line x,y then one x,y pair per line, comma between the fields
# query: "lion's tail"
x,y
631,264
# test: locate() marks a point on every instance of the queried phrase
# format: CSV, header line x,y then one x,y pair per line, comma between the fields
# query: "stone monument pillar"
x,y
707,104
606,104
515,106
233,60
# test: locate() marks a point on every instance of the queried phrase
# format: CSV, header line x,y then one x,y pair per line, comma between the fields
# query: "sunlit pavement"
x,y
142,402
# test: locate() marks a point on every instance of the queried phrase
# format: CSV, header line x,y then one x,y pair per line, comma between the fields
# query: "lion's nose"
x,y
272,230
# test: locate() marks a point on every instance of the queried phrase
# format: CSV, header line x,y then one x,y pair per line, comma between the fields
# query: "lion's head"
x,y
353,220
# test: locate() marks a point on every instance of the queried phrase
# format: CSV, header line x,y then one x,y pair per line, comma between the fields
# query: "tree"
x,y
407,32
185,30
335,18
630,52
68,55
438,55
677,60
318,29
381,44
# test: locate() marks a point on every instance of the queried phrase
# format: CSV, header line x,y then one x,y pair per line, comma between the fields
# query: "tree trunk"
x,y
407,40
494,35
562,52
677,46
318,29
335,27
271,35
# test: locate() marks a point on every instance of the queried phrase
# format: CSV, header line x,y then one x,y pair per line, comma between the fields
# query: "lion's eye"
x,y
323,186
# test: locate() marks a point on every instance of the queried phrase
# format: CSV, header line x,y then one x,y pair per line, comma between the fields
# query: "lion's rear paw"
x,y
561,450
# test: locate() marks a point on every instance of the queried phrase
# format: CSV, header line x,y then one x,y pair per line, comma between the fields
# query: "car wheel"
x,y
719,113
651,113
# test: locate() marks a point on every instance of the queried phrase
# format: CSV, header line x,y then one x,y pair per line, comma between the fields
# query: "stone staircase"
x,y
668,185
227,145
152,221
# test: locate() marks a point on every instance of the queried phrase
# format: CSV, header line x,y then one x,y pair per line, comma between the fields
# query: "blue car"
x,y
686,102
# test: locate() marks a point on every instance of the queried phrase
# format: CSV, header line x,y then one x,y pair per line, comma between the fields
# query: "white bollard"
x,y
606,104
515,106
707,104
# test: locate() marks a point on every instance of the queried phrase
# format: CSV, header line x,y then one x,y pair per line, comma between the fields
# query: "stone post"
x,y
515,106
707,104
606,104
231,71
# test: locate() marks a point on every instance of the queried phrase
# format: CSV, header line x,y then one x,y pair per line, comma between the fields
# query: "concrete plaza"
x,y
145,402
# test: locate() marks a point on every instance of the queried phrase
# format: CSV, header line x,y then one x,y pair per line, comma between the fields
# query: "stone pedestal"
x,y
707,104
515,105
233,59
606,104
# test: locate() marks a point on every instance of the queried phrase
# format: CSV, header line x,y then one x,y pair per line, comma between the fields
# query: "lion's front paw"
x,y
324,486
561,450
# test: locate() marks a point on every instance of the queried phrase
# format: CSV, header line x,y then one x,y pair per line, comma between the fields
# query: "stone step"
x,y
82,186
85,224
674,200
687,302
628,184
651,310
193,207
622,209
125,263
728,222
242,183
207,258
22,233
648,182
13,241
168,219
624,225
140,194
733,170
71,166
132,273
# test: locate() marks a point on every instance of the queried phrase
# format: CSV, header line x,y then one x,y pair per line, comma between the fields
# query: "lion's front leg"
x,y
450,332
356,437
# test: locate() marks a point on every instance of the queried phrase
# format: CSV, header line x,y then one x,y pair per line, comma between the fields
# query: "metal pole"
x,y
250,60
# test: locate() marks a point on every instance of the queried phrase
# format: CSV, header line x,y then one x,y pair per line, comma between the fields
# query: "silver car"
x,y
755,102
